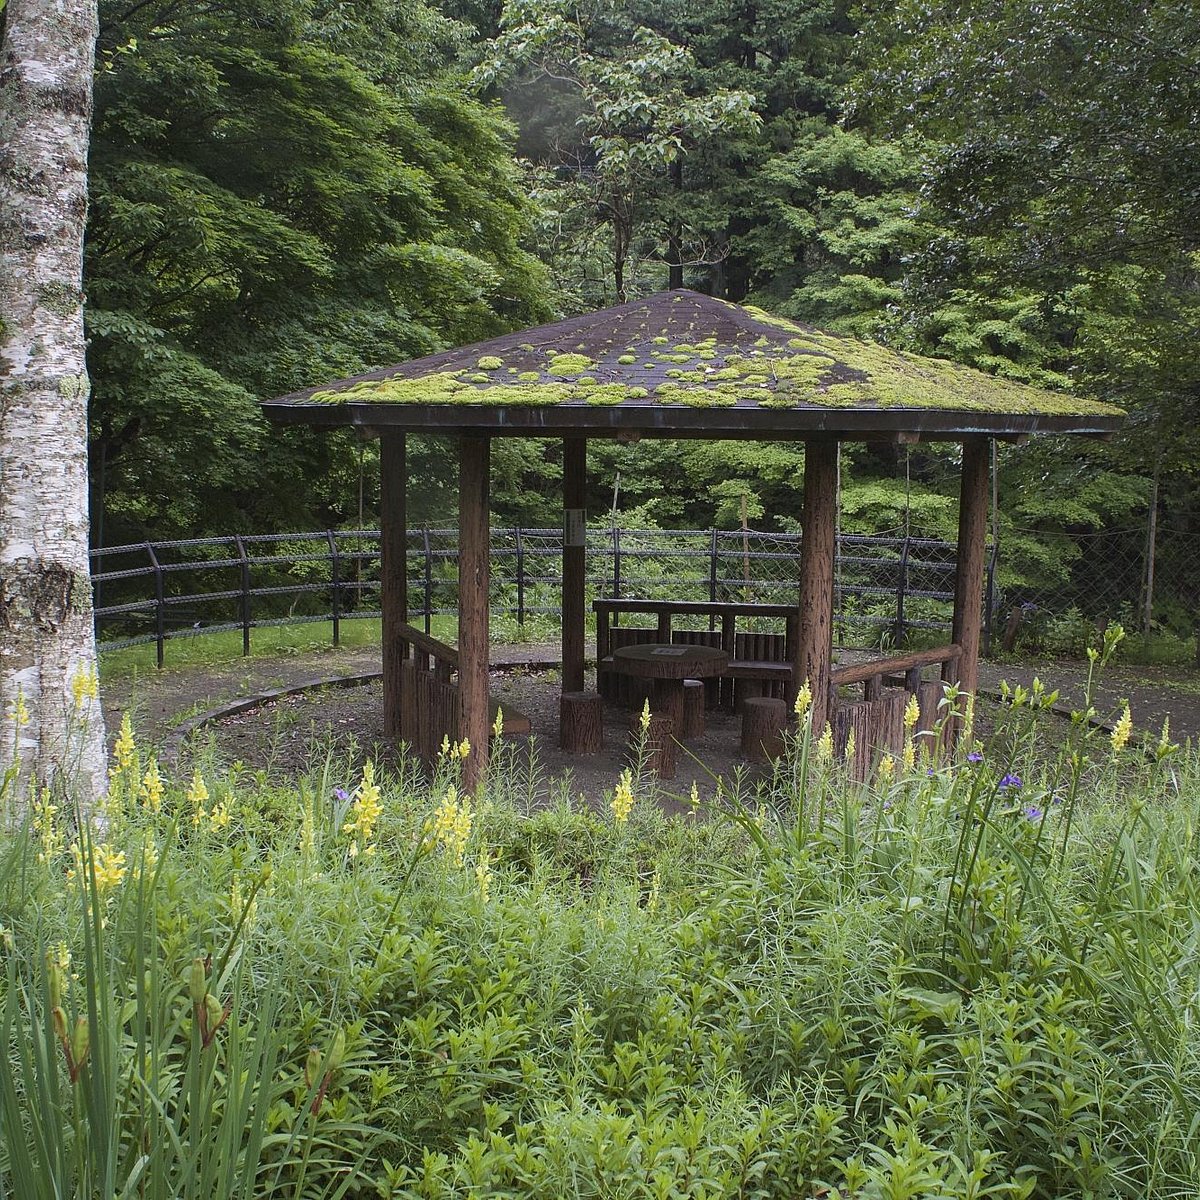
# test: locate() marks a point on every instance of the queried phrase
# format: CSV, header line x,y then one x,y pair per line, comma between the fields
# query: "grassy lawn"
x,y
215,649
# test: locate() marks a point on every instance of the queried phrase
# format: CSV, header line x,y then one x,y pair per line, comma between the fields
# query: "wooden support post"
x,y
968,577
574,557
814,643
474,458
393,576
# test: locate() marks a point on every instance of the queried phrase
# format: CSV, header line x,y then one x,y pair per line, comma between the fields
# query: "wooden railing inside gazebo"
x,y
430,702
877,720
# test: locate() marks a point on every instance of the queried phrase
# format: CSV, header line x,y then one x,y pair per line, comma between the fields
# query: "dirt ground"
x,y
283,735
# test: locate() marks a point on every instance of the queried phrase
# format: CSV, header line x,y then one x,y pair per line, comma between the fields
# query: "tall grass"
x,y
944,983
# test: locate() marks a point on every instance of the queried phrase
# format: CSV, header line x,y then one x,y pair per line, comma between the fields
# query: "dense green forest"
x,y
290,192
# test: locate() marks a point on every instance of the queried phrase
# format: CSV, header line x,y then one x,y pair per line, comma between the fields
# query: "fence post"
x,y
336,576
517,533
428,578
901,589
160,604
245,601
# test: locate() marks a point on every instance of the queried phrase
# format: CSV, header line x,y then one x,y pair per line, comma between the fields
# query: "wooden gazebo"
x,y
676,365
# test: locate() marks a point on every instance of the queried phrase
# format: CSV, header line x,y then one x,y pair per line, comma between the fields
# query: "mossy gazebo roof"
x,y
681,364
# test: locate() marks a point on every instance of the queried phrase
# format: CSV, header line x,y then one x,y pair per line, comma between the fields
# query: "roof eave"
x,y
682,421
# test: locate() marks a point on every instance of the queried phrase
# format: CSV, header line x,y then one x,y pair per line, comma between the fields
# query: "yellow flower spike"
x,y
197,793
150,791
1121,731
483,875
886,770
444,749
218,818
908,755
85,685
20,712
50,838
825,744
108,866
645,718
363,813
803,700
912,712
149,856
622,801
694,796
452,822
498,723
463,749
851,746
124,747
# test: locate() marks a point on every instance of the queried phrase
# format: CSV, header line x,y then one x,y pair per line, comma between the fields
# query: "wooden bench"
x,y
430,706
759,663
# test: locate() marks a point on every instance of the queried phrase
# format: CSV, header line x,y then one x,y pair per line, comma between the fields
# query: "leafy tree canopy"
x,y
280,192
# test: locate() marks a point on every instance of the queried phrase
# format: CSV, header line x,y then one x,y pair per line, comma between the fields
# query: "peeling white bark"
x,y
46,636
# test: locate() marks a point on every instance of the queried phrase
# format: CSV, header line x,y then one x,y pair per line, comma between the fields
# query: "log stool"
x,y
764,720
659,745
580,722
693,709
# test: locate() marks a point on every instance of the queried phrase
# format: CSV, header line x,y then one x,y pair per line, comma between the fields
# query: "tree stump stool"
x,y
693,709
580,722
659,744
764,720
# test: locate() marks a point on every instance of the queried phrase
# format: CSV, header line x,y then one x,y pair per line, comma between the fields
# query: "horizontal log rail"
x,y
892,665
697,608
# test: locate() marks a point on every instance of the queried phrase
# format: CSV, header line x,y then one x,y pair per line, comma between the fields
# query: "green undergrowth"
x,y
969,978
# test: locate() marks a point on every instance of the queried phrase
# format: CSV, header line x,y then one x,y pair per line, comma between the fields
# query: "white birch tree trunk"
x,y
47,645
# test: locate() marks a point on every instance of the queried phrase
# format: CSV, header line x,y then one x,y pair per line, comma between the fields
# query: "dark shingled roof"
x,y
681,364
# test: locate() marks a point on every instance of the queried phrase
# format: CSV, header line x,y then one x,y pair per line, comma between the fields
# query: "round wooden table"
x,y
667,667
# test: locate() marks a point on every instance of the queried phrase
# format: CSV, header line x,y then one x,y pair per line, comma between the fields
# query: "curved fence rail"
x,y
156,591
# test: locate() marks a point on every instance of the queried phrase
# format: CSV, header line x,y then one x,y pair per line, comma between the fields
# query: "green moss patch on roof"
x,y
681,348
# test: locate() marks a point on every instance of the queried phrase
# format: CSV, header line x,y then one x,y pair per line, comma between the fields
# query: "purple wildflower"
x,y
1033,813
341,795
1010,781
974,757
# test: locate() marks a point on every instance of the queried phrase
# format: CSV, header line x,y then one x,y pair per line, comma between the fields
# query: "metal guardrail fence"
x,y
156,591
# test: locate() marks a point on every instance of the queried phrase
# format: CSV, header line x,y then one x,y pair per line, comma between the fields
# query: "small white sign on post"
x,y
575,527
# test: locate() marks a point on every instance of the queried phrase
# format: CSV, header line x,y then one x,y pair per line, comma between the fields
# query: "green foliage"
x,y
627,88
278,195
968,978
